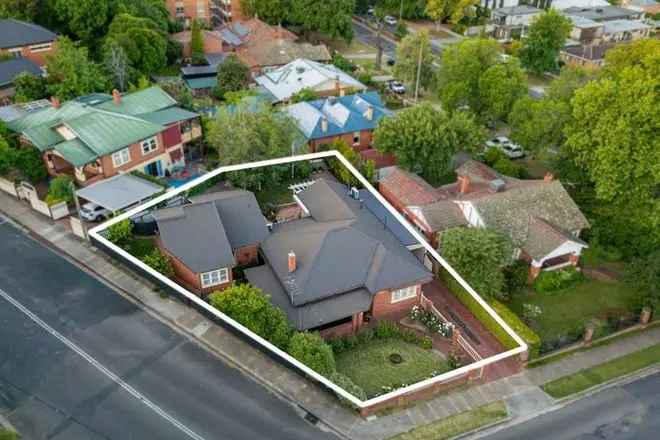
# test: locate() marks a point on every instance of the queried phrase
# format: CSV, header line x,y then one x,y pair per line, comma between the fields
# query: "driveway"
x,y
77,361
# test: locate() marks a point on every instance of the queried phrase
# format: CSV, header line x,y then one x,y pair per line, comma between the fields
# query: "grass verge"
x,y
6,434
590,377
458,424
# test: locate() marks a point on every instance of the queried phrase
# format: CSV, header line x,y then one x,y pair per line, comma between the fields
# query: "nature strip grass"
x,y
458,424
590,377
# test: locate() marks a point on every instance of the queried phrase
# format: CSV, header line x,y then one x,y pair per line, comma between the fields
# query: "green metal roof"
x,y
106,132
75,152
201,83
142,101
43,137
168,116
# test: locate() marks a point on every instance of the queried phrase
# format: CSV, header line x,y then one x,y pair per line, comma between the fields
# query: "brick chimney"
x,y
463,184
116,97
337,83
292,261
370,113
324,124
549,177
55,102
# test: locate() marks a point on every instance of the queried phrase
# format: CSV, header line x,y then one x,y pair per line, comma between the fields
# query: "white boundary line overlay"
x,y
96,364
522,346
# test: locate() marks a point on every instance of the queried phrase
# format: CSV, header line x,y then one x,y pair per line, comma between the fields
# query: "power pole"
x,y
401,11
419,68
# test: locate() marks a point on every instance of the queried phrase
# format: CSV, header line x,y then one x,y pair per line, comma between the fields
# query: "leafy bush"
x,y
515,276
527,334
121,232
6,434
643,273
401,30
29,162
509,168
365,78
347,384
313,351
365,336
6,157
554,280
384,330
153,179
343,63
492,155
304,95
432,322
387,329
250,306
159,262
427,343
60,189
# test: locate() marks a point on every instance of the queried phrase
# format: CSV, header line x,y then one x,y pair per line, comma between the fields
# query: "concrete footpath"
x,y
521,392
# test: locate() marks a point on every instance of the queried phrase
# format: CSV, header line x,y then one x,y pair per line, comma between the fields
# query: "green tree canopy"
x,y
424,139
197,43
479,255
546,36
500,87
29,87
71,73
407,59
251,307
313,351
643,273
144,43
304,95
233,75
86,20
613,134
6,157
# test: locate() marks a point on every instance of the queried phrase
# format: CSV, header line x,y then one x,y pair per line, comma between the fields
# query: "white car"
x,y
93,212
396,87
390,20
506,146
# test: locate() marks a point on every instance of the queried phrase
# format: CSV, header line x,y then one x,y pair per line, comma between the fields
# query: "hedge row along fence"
x,y
527,334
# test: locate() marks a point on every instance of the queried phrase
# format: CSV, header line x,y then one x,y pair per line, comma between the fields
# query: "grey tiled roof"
x,y
443,215
15,33
10,69
543,238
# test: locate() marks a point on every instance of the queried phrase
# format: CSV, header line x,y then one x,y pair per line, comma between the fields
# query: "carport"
x,y
119,192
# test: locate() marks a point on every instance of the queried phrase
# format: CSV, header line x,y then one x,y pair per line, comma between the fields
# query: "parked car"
x,y
390,20
370,11
93,212
396,87
391,61
506,146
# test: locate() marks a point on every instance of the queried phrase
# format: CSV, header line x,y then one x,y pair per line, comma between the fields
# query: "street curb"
x,y
165,320
475,431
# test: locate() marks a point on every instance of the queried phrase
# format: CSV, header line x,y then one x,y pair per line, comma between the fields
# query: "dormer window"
x,y
65,132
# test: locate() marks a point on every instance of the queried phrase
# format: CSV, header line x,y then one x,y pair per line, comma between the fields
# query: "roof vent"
x,y
497,185
355,193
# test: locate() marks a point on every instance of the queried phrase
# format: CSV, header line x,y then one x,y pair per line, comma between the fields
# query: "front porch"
x,y
84,175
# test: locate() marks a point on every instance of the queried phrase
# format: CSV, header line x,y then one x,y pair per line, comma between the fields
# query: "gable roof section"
x,y
281,51
10,69
544,237
409,188
443,215
143,101
344,114
324,204
168,116
477,171
243,221
15,33
287,80
510,211
195,235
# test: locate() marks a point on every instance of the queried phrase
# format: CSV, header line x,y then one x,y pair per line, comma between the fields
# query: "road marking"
x,y
112,376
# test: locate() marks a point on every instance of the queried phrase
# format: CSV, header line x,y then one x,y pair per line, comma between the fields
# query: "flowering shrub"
x,y
431,321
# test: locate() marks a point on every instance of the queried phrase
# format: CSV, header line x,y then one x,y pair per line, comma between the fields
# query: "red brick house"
x,y
538,215
98,136
26,40
206,239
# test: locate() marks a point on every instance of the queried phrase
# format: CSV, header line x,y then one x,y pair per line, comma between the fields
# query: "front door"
x,y
154,169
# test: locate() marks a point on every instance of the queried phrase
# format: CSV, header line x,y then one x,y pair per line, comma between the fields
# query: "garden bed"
x,y
140,246
370,367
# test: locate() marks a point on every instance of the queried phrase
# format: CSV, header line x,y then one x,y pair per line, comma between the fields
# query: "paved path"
x,y
521,388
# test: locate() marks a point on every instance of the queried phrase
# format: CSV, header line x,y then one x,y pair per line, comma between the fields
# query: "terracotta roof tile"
x,y
410,189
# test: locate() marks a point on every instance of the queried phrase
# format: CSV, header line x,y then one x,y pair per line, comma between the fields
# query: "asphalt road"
x,y
629,412
366,35
77,361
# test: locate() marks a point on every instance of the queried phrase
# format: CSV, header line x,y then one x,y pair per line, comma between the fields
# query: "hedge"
x,y
528,335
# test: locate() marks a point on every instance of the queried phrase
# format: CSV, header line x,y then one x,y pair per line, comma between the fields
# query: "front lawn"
x,y
590,377
567,311
369,365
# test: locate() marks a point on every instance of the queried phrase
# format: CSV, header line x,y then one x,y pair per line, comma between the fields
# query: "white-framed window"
x,y
356,138
403,294
16,52
214,277
121,157
149,145
41,47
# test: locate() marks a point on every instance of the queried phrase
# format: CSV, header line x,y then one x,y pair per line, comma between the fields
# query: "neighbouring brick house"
x,y
339,265
98,136
211,12
352,118
325,79
538,215
207,238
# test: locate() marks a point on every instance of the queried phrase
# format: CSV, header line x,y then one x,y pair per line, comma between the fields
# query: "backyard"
x,y
370,367
566,311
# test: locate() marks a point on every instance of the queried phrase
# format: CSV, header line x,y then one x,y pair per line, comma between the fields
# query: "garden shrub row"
x,y
384,330
528,335
554,280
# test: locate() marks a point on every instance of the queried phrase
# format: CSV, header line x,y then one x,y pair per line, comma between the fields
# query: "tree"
x,y
408,56
313,351
424,139
143,41
613,135
547,35
250,307
366,168
643,274
500,87
233,75
159,262
6,157
479,255
329,17
86,20
29,162
197,43
27,10
60,190
271,11
437,10
71,73
154,10
304,95
118,66
29,87
463,65
247,136
180,92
